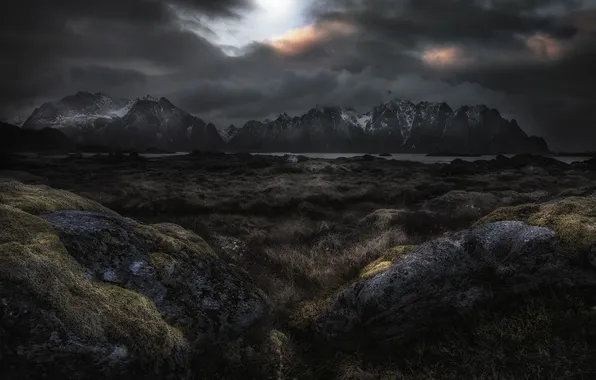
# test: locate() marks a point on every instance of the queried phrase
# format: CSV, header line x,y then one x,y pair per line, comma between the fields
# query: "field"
x,y
305,229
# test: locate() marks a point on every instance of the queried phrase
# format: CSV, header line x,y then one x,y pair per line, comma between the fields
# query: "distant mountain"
x,y
394,126
229,133
97,119
17,139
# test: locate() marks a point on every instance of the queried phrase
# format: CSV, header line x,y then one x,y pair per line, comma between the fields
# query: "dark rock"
x,y
88,295
385,155
217,301
444,279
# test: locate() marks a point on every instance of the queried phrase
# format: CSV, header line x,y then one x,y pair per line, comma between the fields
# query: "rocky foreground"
x,y
503,290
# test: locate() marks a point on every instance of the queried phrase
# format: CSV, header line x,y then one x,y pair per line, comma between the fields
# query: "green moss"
x,y
37,199
573,219
174,240
386,261
32,256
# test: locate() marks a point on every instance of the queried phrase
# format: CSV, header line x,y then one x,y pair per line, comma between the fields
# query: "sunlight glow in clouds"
x,y
298,40
544,47
445,57
269,18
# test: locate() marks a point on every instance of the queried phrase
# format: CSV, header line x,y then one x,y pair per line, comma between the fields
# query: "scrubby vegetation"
x,y
303,231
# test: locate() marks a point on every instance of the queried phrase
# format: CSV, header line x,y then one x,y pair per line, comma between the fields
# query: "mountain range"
x,y
395,126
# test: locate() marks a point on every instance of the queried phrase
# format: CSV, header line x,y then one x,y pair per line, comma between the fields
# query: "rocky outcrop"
x,y
90,294
443,279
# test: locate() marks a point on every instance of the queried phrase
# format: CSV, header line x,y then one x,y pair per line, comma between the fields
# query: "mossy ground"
x,y
37,199
386,261
573,219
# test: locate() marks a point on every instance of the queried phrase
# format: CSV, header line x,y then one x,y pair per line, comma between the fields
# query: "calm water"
x,y
419,157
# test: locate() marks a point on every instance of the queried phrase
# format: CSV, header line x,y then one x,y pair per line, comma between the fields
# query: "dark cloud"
x,y
100,76
50,43
531,59
538,55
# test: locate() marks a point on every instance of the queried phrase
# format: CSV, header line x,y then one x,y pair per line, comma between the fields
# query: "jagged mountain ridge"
x,y
98,119
393,126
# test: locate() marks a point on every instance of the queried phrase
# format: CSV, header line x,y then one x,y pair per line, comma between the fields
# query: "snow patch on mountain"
x,y
363,121
122,111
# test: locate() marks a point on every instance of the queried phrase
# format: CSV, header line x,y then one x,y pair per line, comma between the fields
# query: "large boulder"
x,y
443,279
572,218
85,294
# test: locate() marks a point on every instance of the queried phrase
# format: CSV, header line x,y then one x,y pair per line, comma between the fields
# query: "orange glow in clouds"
x,y
445,57
544,47
299,40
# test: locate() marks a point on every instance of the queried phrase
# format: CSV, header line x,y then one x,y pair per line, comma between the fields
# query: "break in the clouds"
x,y
235,60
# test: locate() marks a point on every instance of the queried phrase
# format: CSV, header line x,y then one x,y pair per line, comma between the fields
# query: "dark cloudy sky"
x,y
234,60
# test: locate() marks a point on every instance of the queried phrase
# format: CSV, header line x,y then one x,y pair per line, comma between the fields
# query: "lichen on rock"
x,y
573,219
445,278
90,293
386,261
50,310
36,199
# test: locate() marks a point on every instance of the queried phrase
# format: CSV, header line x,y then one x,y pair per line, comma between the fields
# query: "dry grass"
x,y
547,336
296,270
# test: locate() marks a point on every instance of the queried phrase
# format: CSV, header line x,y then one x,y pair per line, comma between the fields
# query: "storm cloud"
x,y
534,60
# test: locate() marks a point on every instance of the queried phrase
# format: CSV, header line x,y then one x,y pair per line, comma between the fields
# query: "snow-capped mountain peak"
x,y
392,126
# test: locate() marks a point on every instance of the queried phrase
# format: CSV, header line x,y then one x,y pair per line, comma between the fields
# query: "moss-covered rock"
x,y
85,294
190,285
36,199
53,317
386,261
445,278
573,219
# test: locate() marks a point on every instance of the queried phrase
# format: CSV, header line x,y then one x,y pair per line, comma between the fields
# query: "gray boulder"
x,y
191,287
444,279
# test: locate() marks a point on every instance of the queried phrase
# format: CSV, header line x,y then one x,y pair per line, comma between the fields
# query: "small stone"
x,y
110,276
